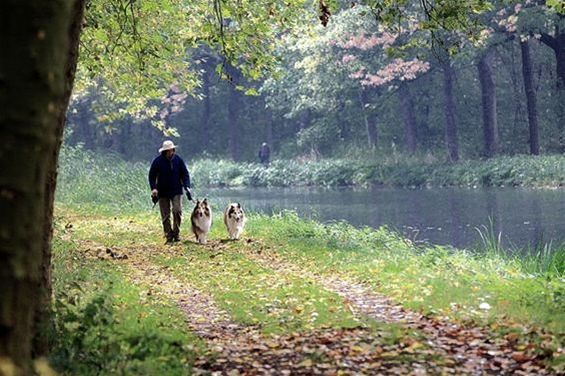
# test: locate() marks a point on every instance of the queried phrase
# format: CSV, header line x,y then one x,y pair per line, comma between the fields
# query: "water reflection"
x,y
525,218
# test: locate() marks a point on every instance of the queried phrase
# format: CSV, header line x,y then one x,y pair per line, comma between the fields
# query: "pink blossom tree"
x,y
366,56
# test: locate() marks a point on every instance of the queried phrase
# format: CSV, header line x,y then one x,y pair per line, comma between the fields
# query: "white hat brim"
x,y
168,148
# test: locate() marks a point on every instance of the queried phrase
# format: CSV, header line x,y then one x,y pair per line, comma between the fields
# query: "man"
x,y
168,176
264,154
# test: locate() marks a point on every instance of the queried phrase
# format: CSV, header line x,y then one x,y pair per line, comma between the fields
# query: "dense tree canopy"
x,y
323,88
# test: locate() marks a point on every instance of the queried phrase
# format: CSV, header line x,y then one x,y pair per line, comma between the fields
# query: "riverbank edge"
x,y
546,172
540,172
507,295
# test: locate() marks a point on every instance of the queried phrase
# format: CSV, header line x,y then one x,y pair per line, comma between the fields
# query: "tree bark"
x,y
369,118
205,117
269,129
234,106
557,44
450,112
43,310
407,103
488,101
530,97
33,87
343,123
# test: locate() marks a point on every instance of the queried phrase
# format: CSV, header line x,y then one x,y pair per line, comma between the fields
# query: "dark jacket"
x,y
168,177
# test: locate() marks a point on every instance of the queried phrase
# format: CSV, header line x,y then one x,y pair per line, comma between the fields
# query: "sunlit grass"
x,y
435,280
255,295
90,179
105,325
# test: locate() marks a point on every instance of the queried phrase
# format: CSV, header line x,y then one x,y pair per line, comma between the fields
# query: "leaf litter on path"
x,y
235,349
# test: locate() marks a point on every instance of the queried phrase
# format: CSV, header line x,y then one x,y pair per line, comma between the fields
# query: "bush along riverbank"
x,y
292,286
521,171
78,166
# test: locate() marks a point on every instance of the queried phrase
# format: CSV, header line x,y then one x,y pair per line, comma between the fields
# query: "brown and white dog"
x,y
201,219
234,219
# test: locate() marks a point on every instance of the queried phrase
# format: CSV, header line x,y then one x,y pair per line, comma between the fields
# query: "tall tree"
x,y
531,102
557,43
488,101
451,134
369,117
407,109
44,288
234,111
36,76
546,21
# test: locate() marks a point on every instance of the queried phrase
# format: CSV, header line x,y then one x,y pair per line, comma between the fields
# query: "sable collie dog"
x,y
201,219
234,219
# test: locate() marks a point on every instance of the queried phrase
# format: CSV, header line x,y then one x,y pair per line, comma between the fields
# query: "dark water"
x,y
449,216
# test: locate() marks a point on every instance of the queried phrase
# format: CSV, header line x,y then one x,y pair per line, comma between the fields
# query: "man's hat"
x,y
167,145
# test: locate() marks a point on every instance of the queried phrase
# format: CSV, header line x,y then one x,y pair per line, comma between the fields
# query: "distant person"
x,y
264,154
168,176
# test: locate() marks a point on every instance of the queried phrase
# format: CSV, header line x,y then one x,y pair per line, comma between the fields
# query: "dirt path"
x,y
237,349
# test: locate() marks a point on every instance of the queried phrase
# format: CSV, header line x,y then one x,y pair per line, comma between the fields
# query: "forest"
x,y
282,187
355,88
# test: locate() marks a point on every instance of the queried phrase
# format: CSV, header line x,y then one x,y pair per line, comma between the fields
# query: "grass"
x,y
81,171
434,280
255,295
104,325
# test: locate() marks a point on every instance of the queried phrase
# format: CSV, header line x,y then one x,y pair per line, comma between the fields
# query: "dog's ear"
x,y
238,205
205,201
197,202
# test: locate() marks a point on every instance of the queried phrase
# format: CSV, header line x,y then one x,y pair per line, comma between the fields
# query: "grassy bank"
x,y
520,171
80,168
108,324
433,280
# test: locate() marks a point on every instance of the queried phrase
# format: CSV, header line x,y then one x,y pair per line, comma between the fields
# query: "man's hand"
x,y
154,193
188,193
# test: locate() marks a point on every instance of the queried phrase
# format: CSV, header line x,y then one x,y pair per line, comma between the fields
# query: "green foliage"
x,y
257,295
103,326
132,53
435,280
402,172
106,181
89,178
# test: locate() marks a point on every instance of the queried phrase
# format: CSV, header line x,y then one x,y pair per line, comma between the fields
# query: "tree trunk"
x,y
369,118
205,117
43,319
234,106
557,44
269,129
343,123
407,103
305,120
34,80
488,100
450,116
530,97
560,56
